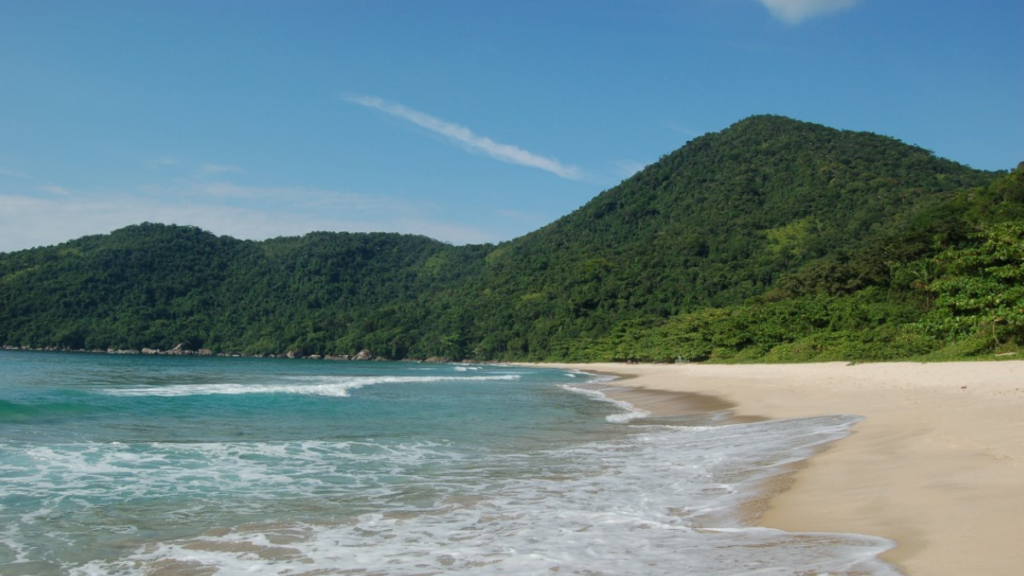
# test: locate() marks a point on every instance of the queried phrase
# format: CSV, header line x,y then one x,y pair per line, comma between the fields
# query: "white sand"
x,y
937,465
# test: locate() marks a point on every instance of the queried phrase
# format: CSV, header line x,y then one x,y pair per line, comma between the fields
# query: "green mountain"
x,y
743,244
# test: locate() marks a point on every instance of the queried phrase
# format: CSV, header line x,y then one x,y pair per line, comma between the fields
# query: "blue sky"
x,y
466,121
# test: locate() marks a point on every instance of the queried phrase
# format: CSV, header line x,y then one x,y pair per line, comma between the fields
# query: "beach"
x,y
937,464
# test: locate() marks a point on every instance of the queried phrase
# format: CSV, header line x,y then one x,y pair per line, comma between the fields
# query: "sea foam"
x,y
664,502
627,413
335,386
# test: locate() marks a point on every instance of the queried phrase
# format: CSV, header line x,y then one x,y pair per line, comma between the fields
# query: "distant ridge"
x,y
769,209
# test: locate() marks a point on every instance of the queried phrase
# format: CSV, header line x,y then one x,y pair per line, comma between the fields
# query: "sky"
x,y
461,120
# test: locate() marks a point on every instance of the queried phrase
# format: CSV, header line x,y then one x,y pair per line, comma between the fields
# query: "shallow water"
x,y
164,465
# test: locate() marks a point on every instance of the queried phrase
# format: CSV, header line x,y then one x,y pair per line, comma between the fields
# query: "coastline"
x,y
937,464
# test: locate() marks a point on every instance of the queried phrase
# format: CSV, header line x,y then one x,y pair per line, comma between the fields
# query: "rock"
x,y
205,352
364,354
314,357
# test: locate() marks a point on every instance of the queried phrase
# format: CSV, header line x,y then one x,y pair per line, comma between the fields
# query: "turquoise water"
x,y
166,465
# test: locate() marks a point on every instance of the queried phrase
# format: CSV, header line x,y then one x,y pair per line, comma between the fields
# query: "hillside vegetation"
x,y
773,240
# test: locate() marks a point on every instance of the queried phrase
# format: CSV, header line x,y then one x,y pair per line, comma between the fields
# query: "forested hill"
x,y
784,220
714,223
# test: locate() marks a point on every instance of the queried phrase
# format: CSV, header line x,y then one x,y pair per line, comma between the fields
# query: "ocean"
x,y
161,466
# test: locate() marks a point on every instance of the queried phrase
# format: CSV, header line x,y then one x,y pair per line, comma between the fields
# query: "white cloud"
x,y
466,137
796,11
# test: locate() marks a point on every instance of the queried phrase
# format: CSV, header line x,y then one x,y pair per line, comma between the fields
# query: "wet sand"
x,y
936,466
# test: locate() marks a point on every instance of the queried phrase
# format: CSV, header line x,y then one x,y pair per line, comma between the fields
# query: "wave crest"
x,y
331,386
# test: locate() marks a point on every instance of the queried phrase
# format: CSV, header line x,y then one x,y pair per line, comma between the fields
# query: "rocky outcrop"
x,y
364,354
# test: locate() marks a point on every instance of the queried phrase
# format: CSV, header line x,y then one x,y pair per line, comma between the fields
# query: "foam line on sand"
x,y
937,465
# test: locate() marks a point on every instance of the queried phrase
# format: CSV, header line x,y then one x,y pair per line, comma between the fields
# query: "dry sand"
x,y
937,465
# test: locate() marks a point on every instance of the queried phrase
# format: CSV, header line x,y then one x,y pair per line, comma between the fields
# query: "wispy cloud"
x,y
796,11
163,161
219,169
54,189
466,137
15,174
40,186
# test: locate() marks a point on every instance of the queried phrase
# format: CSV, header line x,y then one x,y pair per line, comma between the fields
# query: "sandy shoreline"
x,y
937,465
